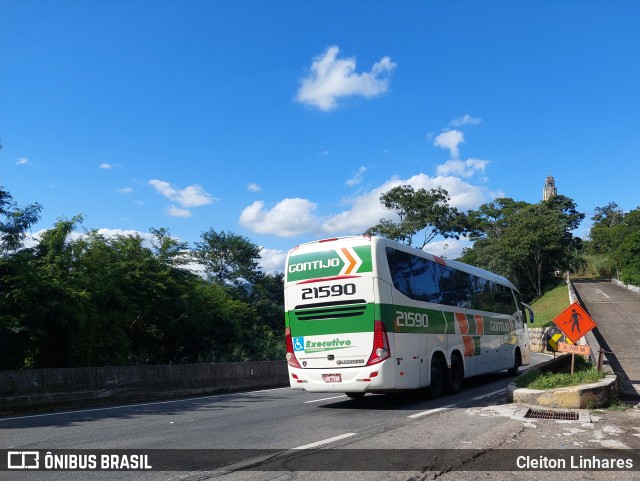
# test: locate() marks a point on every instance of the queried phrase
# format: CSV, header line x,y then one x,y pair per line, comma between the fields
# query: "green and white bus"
x,y
366,314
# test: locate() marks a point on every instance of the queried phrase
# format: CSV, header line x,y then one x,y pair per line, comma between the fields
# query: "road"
x,y
616,310
281,419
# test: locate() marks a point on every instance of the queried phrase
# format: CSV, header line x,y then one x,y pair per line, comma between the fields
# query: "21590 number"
x,y
328,291
411,319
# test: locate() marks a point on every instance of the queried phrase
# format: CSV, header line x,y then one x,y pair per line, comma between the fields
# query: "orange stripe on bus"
x,y
463,323
468,346
352,261
479,324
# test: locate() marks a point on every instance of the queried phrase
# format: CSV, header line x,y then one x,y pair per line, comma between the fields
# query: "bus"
x,y
370,315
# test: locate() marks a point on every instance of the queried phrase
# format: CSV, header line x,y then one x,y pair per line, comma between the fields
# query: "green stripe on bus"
x,y
396,318
312,327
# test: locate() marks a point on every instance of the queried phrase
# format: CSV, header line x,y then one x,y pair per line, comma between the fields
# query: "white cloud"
x,y
292,217
450,139
22,161
357,177
331,78
324,153
465,120
366,210
463,168
288,218
272,260
254,187
191,196
449,248
125,190
174,211
105,166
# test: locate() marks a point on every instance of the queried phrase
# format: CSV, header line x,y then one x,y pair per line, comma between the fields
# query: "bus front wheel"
x,y
517,362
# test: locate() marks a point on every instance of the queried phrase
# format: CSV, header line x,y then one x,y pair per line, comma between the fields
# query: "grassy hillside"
x,y
552,303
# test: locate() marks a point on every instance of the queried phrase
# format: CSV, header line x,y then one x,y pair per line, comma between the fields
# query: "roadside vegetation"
x,y
552,303
74,300
584,373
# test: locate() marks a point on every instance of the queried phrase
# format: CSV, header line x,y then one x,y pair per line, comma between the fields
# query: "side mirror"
x,y
529,311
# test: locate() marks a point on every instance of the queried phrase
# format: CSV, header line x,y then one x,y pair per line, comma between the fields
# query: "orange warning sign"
x,y
574,322
573,349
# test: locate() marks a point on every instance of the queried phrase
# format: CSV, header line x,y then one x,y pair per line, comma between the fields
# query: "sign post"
x,y
574,322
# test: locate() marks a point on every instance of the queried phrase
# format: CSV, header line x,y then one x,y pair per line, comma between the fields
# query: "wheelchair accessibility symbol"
x,y
298,343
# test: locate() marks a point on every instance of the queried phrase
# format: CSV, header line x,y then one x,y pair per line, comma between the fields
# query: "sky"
x,y
283,121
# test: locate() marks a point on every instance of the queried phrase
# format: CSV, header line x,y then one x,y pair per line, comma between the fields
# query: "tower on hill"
x,y
549,188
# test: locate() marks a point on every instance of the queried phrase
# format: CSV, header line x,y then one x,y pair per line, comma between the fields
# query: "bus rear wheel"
x,y
437,379
456,375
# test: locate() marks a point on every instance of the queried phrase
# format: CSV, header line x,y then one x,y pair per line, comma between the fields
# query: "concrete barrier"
x,y
35,389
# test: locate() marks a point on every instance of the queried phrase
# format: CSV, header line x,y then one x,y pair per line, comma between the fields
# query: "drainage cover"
x,y
555,415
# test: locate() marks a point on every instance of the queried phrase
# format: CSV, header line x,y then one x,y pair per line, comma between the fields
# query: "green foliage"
x,y
92,301
421,210
616,236
593,266
14,221
547,307
527,243
584,373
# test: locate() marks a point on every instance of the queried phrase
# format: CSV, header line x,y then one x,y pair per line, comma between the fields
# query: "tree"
x,y
228,258
608,216
607,230
15,337
525,242
426,211
17,221
625,247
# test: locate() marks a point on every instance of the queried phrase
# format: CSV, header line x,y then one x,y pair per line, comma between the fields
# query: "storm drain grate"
x,y
555,415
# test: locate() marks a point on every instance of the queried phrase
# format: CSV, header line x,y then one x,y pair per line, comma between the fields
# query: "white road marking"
x,y
499,391
141,404
326,441
598,291
431,411
324,399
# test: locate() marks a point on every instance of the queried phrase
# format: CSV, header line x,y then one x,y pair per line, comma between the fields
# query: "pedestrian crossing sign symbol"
x,y
574,322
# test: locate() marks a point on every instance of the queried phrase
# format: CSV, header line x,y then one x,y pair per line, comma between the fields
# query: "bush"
x,y
584,373
630,278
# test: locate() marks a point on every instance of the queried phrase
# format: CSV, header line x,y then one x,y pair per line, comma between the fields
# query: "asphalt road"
x,y
280,419
616,310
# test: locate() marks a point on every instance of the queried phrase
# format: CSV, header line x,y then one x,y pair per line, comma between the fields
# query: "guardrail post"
x,y
600,359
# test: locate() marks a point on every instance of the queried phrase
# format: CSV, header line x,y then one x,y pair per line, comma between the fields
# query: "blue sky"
x,y
284,121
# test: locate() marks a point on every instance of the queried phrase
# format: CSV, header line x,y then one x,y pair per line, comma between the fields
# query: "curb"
x,y
575,397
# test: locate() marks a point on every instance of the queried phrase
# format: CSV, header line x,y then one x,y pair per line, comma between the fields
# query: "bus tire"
x,y
517,362
437,378
355,395
453,382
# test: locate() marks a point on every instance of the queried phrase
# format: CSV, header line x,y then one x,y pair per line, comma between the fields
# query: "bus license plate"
x,y
332,377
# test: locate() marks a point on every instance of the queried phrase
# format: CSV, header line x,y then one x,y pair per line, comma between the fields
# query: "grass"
x,y
584,373
547,307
